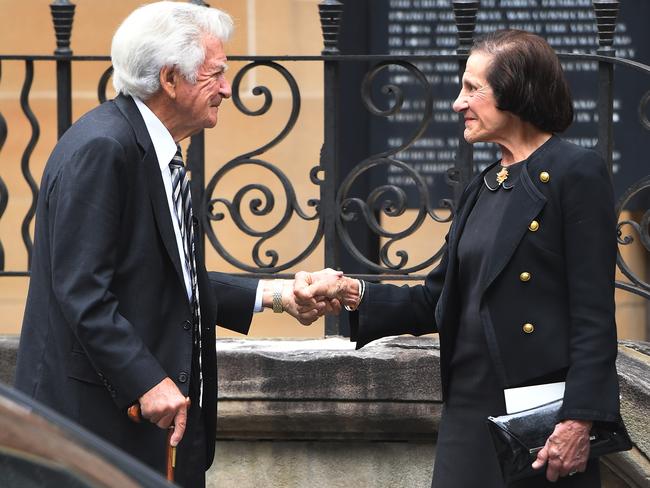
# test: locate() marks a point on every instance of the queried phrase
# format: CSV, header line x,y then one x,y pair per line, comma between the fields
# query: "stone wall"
x,y
367,418
318,413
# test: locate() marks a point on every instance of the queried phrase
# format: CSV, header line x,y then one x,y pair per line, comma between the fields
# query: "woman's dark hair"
x,y
527,79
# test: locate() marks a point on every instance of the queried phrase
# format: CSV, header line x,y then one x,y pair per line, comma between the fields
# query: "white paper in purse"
x,y
525,397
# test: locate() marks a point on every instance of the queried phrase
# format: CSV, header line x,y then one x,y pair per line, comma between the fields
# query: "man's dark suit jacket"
x,y
107,315
569,252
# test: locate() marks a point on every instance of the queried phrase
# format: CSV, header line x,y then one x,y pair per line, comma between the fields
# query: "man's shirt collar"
x,y
163,142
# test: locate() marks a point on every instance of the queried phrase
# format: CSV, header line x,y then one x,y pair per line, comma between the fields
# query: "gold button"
x,y
544,177
528,328
534,225
525,276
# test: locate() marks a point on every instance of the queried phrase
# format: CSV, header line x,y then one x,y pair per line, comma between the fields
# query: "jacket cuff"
x,y
588,414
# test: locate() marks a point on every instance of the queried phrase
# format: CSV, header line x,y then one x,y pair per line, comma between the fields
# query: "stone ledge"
x,y
8,350
324,389
631,467
330,369
331,420
634,377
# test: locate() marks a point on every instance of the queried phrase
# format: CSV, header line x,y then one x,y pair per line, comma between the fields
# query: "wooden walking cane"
x,y
135,415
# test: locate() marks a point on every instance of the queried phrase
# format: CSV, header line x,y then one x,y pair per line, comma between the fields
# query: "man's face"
x,y
198,104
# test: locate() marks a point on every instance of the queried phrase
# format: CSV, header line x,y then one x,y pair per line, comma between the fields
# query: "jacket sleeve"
x,y
392,310
235,298
85,205
590,248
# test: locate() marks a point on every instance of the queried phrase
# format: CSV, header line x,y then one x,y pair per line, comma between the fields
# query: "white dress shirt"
x,y
165,147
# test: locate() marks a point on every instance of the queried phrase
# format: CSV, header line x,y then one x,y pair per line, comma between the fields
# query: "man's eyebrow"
x,y
220,67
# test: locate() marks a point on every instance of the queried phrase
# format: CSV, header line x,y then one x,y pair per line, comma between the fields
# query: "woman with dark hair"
x,y
524,293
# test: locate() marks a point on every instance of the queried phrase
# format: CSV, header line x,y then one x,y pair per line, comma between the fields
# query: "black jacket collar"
x,y
505,177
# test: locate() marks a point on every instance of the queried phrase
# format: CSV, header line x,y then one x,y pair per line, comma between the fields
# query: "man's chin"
x,y
211,122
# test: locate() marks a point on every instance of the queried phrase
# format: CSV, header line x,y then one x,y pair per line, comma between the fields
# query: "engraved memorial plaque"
x,y
427,27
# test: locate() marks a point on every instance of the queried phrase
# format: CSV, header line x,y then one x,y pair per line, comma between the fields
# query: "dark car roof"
x,y
33,432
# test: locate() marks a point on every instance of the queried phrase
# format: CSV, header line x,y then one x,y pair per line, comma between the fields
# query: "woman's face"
x,y
484,122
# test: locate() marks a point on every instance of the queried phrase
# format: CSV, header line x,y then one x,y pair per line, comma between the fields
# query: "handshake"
x,y
311,295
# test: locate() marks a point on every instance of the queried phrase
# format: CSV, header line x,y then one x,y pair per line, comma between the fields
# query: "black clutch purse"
x,y
518,437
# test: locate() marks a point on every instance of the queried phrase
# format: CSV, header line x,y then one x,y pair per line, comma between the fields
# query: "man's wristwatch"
x,y
277,296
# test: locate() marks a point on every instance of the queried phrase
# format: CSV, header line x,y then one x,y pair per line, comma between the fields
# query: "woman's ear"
x,y
169,77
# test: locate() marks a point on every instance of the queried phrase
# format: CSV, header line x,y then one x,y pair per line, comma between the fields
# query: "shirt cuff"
x,y
258,297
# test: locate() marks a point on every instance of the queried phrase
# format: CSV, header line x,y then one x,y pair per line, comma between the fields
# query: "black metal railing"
x,y
337,207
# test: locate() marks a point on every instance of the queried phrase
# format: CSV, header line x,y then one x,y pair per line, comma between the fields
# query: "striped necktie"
x,y
183,210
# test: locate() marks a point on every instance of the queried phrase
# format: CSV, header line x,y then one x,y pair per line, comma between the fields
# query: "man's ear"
x,y
169,78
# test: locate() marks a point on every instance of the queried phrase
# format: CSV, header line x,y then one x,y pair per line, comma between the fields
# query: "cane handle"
x,y
134,413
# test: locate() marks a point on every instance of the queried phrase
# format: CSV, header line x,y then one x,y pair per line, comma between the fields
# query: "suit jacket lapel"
x,y
155,185
161,209
523,206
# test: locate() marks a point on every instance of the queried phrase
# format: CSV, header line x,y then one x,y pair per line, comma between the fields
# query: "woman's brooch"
x,y
502,176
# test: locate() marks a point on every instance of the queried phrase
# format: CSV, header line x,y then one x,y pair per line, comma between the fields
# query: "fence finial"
x,y
62,16
606,13
465,15
331,12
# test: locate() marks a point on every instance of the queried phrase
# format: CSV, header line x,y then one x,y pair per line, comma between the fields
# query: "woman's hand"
x,y
566,450
325,285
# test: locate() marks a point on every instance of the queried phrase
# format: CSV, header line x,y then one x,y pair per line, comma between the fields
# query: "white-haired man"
x,y
120,309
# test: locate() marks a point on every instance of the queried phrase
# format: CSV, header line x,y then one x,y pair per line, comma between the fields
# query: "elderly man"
x,y
121,310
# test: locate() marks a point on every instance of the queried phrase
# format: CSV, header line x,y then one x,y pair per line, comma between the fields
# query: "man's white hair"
x,y
163,34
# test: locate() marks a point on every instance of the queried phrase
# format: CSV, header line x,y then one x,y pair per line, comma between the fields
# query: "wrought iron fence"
x,y
335,208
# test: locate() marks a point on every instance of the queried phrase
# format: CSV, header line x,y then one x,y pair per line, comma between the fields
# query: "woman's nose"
x,y
460,103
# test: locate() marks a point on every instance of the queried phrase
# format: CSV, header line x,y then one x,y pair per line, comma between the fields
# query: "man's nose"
x,y
225,89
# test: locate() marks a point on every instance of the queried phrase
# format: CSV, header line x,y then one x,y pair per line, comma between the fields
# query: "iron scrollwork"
x,y
642,229
27,153
380,198
103,83
265,203
4,194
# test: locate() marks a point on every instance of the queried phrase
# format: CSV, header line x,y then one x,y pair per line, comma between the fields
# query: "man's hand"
x,y
325,285
566,450
165,405
306,315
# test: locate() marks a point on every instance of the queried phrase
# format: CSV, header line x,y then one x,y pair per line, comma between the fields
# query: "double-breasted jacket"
x,y
547,300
